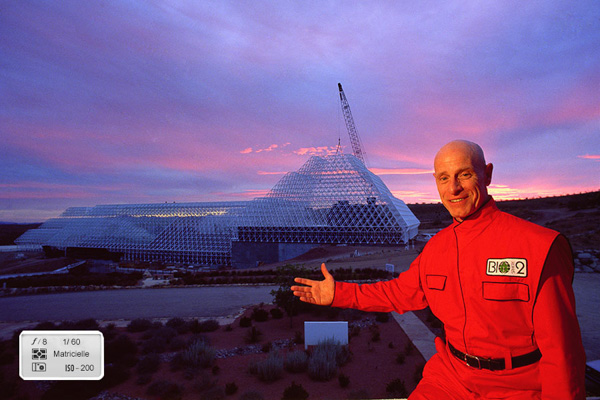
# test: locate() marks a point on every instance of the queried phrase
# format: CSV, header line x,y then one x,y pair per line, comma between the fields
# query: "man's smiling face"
x,y
462,178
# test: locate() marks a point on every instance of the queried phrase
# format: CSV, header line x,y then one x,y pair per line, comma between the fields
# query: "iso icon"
x,y
38,367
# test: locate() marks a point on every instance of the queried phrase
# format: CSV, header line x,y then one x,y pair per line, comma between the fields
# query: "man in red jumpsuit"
x,y
501,286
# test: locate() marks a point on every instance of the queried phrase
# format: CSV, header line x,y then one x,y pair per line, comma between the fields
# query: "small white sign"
x,y
389,268
319,331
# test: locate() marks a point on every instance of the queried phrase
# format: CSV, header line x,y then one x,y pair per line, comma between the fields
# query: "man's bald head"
x,y
462,177
470,149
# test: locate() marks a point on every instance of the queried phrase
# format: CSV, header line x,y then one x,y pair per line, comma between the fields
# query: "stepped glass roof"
x,y
330,199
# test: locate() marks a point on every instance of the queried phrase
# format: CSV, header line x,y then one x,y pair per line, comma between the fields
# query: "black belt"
x,y
495,364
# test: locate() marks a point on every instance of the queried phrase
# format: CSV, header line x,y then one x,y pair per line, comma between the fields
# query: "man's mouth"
x,y
456,200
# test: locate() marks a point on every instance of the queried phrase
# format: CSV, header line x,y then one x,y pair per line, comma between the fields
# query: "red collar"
x,y
476,223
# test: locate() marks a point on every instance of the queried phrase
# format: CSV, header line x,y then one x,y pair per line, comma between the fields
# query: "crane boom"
x,y
352,132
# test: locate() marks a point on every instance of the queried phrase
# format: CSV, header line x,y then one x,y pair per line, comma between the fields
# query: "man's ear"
x,y
488,174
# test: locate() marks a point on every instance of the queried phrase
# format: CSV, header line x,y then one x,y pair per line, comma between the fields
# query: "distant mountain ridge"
x,y
577,216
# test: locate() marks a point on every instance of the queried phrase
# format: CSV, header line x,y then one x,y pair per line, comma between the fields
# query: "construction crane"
x,y
352,132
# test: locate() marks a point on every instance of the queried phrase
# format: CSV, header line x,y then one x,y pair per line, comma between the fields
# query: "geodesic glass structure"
x,y
331,199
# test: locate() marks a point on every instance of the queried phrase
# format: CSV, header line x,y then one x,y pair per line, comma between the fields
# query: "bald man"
x,y
501,286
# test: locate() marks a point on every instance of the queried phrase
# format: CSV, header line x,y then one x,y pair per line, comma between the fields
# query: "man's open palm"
x,y
316,292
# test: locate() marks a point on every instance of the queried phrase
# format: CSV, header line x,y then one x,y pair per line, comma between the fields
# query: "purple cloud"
x,y
197,101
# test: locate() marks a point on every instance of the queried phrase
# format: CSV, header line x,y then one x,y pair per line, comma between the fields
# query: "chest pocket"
x,y
505,291
436,282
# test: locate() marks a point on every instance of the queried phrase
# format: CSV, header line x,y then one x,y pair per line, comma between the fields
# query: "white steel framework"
x,y
331,199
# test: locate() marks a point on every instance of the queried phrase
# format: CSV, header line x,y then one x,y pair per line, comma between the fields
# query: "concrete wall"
x,y
249,255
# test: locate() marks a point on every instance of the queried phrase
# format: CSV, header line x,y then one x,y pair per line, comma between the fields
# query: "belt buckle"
x,y
468,359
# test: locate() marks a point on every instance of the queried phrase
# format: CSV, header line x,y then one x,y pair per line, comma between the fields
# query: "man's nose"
x,y
455,186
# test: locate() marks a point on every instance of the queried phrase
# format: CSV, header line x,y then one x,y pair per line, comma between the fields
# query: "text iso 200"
x,y
82,367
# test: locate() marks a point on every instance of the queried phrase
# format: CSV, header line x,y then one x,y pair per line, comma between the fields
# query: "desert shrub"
x,y
194,326
382,317
229,328
81,325
375,334
120,350
344,380
260,315
231,388
343,355
148,364
252,395
253,335
409,349
294,392
396,388
276,313
165,390
354,331
198,354
266,347
351,314
245,322
109,332
298,337
45,326
205,382
322,366
139,325
210,325
154,344
177,343
269,369
325,359
178,324
162,332
400,358
296,361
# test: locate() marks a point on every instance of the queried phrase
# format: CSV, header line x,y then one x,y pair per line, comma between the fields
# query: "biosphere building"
x,y
331,199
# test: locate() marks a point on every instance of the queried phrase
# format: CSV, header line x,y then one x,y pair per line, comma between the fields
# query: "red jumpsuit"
x,y
502,288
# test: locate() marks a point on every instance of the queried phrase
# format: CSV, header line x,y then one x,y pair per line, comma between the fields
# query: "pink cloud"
x,y
272,173
245,195
415,196
590,157
506,192
400,171
315,151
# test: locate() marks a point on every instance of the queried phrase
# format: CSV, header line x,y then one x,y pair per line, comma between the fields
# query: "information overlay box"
x,y
61,355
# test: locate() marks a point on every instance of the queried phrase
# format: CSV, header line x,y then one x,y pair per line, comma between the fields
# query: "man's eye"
x,y
443,178
465,175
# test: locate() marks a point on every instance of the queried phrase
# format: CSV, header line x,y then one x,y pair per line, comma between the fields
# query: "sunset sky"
x,y
105,102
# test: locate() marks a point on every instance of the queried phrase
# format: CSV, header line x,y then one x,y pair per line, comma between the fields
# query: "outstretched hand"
x,y
316,292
